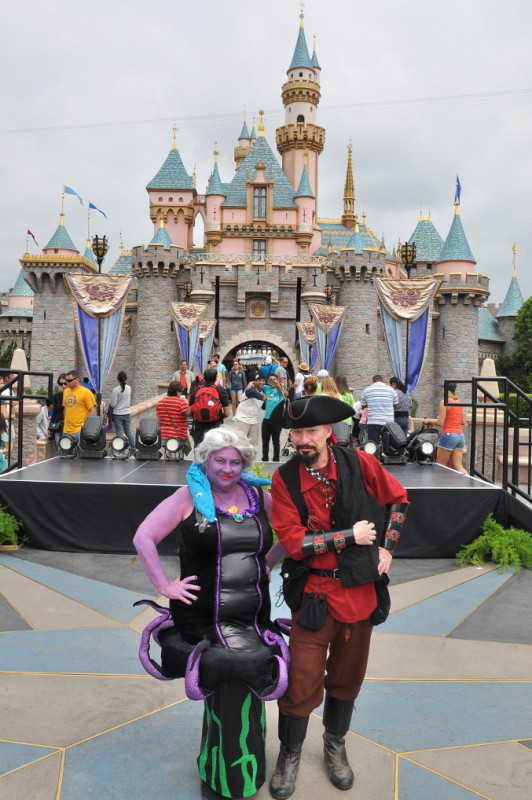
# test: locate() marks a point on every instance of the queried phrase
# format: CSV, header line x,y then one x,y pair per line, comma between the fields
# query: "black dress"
x,y
230,629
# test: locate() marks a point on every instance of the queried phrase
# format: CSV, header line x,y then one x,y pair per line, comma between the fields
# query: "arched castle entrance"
x,y
266,336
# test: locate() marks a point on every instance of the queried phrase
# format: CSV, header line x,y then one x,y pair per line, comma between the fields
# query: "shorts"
x,y
451,441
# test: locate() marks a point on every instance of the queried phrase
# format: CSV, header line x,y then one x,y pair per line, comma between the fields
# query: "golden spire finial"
x,y
302,16
215,152
261,122
161,223
305,158
174,142
194,176
514,253
349,216
121,242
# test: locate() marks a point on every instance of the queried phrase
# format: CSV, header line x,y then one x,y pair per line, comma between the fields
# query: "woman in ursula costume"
x,y
217,633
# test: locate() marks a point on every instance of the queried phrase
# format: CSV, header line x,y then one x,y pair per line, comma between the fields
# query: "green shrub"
x,y
508,547
9,526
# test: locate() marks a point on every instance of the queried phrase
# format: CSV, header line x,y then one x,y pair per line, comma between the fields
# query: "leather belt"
x,y
326,573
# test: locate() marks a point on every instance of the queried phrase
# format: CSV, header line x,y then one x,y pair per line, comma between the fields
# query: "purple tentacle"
x,y
157,624
282,682
192,687
284,624
272,638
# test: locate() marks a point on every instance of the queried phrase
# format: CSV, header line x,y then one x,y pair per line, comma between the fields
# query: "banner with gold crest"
x,y
188,317
329,321
407,301
307,343
99,304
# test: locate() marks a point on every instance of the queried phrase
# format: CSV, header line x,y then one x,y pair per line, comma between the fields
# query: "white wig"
x,y
221,437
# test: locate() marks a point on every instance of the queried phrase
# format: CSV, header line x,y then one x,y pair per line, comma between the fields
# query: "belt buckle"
x,y
335,576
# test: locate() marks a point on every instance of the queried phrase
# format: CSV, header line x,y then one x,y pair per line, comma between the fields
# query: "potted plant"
x,y
507,547
9,525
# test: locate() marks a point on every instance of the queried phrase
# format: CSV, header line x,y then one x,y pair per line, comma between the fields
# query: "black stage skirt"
x,y
232,760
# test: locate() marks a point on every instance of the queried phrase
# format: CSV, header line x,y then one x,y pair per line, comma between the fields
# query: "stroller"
x,y
421,445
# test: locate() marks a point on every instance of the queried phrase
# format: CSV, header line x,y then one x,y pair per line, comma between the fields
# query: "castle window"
x,y
259,202
300,74
300,118
170,199
259,249
159,199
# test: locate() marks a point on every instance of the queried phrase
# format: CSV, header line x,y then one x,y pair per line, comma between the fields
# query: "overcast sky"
x,y
424,90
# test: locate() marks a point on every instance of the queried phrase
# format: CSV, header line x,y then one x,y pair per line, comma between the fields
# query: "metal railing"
x,y
12,395
500,441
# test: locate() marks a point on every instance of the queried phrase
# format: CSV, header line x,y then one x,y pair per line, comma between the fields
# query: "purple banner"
x,y
417,344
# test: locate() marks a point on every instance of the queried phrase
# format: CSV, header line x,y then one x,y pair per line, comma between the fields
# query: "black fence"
x,y
500,441
12,398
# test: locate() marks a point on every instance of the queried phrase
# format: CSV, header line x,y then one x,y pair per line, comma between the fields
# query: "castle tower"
x,y
244,145
429,245
172,193
54,342
304,199
508,311
300,133
349,218
214,197
455,332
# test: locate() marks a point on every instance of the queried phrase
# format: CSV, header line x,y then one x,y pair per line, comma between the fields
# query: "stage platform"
x,y
86,505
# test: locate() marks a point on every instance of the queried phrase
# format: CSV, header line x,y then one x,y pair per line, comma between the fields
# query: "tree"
x,y
6,352
518,366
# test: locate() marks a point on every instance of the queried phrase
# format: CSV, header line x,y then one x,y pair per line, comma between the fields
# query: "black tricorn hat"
x,y
306,412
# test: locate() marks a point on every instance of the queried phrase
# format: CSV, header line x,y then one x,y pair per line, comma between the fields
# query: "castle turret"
x,y
244,145
214,197
429,245
304,199
172,193
349,218
456,256
300,133
509,309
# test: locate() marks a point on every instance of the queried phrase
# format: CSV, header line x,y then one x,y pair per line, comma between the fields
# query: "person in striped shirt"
x,y
380,400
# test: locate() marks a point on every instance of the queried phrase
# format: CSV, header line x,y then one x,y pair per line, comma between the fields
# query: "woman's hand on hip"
x,y
182,590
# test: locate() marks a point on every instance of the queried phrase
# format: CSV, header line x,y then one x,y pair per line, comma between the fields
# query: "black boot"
x,y
292,732
336,719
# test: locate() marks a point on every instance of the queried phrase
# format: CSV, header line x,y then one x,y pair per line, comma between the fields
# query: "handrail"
x,y
19,396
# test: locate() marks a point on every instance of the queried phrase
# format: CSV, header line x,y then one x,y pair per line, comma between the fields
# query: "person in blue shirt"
x,y
274,396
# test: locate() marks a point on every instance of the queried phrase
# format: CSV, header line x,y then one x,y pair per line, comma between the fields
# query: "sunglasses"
x,y
61,383
69,380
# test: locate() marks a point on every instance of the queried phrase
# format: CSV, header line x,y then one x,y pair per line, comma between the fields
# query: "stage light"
x,y
371,447
422,444
68,446
394,444
148,440
173,449
120,447
92,439
427,448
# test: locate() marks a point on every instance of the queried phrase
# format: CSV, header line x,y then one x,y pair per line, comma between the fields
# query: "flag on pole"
x,y
458,191
91,205
69,190
29,233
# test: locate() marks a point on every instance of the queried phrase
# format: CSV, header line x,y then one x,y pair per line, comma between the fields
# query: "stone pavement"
x,y
445,712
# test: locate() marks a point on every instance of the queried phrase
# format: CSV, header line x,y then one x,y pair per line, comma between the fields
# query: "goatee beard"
x,y
308,459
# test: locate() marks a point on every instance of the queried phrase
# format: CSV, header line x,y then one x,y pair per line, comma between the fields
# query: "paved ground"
x,y
445,712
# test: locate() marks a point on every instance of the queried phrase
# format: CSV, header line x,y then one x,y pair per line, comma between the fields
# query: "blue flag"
x,y
458,191
91,205
69,190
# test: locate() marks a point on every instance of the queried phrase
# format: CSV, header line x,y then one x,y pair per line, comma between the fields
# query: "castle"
x,y
267,254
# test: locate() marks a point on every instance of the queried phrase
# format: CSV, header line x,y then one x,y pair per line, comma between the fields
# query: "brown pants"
x,y
334,658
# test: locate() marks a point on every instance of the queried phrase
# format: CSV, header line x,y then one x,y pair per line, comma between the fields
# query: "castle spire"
x,y
301,56
349,218
514,253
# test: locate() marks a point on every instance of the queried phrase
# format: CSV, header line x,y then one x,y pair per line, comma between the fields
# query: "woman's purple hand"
x,y
182,590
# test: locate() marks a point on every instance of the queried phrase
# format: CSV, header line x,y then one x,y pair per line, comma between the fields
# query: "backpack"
x,y
207,406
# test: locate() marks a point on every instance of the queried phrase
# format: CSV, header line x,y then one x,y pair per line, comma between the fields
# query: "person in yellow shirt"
x,y
78,403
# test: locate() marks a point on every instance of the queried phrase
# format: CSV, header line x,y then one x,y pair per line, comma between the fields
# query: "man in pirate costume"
x,y
327,513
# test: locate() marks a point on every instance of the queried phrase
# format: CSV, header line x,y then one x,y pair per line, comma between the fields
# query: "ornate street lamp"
x,y
328,292
408,258
187,286
100,246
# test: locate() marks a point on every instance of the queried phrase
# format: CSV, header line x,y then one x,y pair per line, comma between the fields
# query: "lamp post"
x,y
187,286
408,258
100,246
328,292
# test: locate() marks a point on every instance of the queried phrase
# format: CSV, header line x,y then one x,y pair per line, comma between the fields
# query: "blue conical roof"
x,y
244,133
253,134
456,247
61,240
301,57
215,184
161,237
488,330
428,241
89,255
21,288
513,300
172,174
283,193
122,265
314,60
356,241
304,189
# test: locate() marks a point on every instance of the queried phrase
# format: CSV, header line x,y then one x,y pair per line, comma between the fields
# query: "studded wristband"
x,y
320,542
393,524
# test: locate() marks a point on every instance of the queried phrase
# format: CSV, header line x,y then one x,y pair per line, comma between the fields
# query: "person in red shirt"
x,y
325,502
172,412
